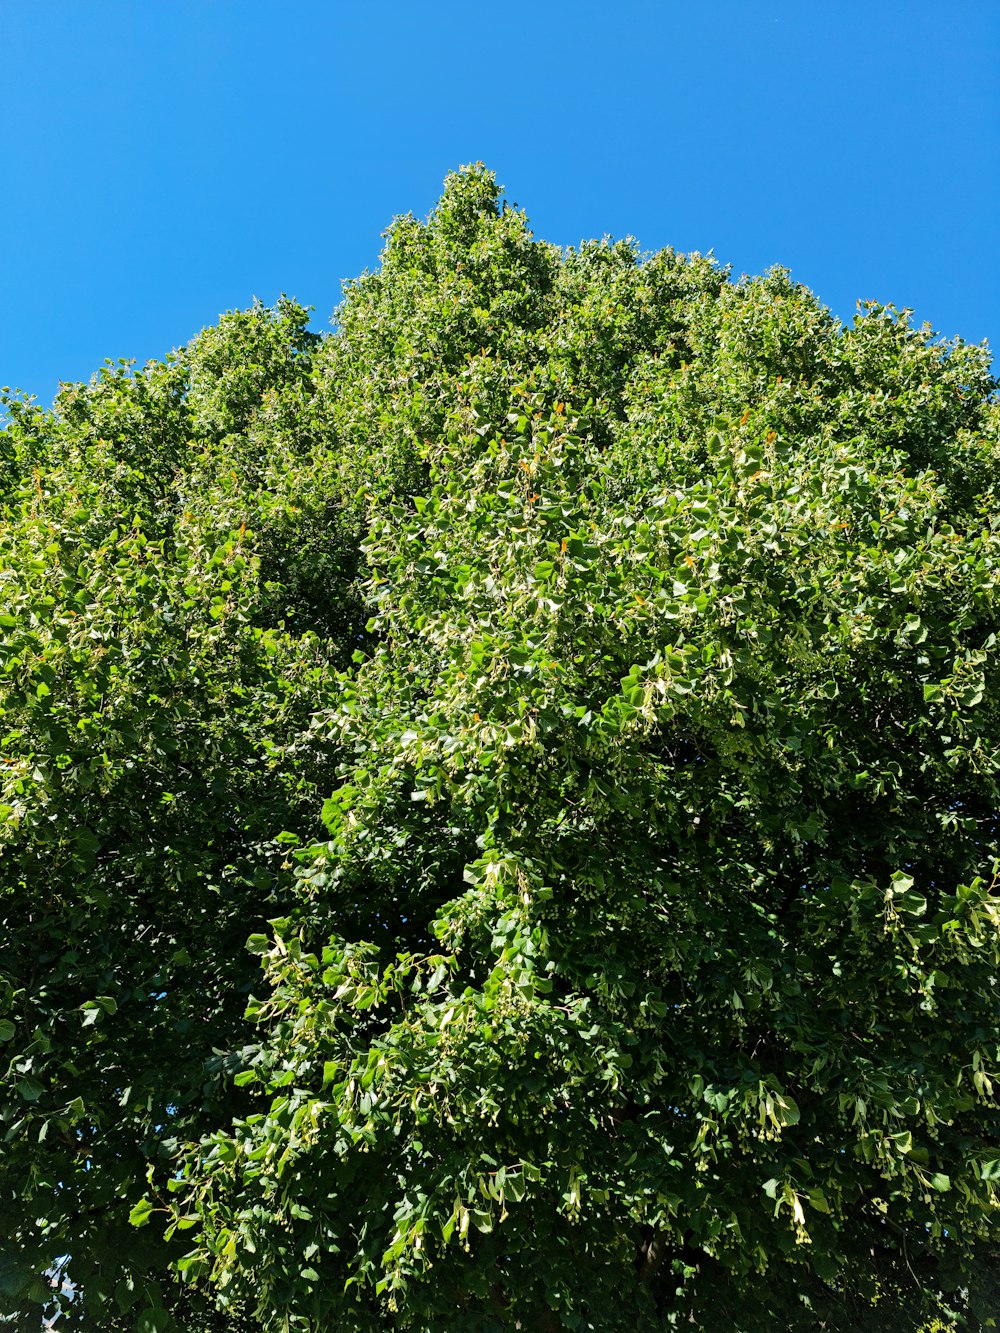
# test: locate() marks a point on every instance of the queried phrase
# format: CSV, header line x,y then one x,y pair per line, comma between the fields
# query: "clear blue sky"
x,y
164,160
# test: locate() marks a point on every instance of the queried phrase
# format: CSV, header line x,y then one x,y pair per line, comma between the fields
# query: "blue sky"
x,y
164,160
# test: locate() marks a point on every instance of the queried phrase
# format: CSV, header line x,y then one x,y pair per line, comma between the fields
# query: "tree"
x,y
577,676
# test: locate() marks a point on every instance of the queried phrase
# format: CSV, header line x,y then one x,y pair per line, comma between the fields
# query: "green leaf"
x,y
152,1321
826,1265
29,1089
141,1213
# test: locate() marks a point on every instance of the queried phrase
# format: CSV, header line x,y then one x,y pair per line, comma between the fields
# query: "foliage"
x,y
577,675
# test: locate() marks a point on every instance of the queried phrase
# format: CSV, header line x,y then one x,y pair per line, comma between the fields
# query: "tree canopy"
x,y
499,805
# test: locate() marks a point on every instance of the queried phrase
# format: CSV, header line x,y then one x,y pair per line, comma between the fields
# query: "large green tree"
x,y
577,676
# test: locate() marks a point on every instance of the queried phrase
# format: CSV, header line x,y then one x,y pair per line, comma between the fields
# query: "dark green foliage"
x,y
577,675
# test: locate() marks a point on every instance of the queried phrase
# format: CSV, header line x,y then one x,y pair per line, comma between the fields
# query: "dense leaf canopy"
x,y
577,675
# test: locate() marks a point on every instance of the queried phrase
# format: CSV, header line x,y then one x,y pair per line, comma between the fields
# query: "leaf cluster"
x,y
577,675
